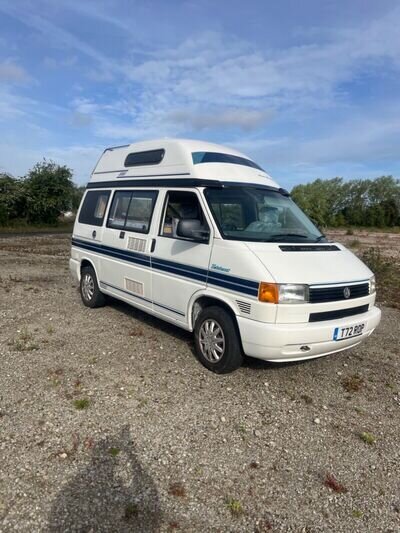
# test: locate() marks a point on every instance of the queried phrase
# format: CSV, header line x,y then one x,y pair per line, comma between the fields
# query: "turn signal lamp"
x,y
268,292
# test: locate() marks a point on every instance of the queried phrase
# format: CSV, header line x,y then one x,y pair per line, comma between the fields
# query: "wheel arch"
x,y
205,299
85,261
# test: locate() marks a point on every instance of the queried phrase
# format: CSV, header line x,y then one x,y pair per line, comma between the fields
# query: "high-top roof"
x,y
175,158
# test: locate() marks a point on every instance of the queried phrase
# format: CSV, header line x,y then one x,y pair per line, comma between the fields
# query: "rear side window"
x,y
150,157
132,210
94,208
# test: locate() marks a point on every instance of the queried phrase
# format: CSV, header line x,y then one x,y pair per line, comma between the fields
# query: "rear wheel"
x,y
217,340
89,288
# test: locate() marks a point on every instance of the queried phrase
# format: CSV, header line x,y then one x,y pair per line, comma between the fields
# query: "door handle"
x,y
122,234
94,234
152,245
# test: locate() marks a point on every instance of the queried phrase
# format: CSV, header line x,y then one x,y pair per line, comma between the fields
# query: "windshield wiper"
x,y
286,235
320,238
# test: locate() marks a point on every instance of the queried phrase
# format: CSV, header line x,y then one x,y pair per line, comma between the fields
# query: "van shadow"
x,y
187,337
113,493
156,323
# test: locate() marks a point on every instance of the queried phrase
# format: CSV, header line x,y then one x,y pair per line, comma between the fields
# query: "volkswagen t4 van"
x,y
199,235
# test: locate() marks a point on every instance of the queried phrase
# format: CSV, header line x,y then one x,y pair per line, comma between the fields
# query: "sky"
x,y
307,89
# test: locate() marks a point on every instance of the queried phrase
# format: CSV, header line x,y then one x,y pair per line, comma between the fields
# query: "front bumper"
x,y
283,342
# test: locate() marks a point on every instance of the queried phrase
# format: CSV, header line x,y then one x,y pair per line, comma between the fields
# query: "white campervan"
x,y
199,235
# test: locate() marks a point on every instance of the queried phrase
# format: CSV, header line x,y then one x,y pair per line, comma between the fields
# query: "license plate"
x,y
340,334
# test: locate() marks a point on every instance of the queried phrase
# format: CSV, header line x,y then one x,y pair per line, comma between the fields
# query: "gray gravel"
x,y
161,444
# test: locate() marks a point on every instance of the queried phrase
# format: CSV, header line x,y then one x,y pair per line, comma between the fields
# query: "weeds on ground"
x,y
142,402
81,404
241,428
114,452
307,398
332,483
234,506
349,231
368,438
24,342
387,273
353,383
131,511
357,513
177,489
354,243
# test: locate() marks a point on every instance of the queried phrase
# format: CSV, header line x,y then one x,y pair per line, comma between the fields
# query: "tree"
x,y
12,199
49,191
77,197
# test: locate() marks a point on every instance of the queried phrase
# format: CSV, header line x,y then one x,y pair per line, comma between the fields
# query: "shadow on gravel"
x,y
187,337
113,493
156,323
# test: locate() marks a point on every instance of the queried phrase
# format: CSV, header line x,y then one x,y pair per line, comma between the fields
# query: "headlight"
x,y
293,294
285,293
372,285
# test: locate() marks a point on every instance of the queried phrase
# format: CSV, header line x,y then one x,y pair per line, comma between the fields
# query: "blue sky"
x,y
308,89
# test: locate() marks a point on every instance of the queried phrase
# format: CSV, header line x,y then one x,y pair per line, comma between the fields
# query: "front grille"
x,y
341,313
337,293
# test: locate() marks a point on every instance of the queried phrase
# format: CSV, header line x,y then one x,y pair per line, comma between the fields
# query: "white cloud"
x,y
81,159
242,118
12,73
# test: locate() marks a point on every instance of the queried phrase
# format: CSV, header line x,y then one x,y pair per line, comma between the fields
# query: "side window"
x,y
180,205
94,208
119,210
140,211
132,210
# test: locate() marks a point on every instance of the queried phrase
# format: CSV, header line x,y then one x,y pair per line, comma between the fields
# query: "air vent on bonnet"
x,y
138,245
309,248
245,307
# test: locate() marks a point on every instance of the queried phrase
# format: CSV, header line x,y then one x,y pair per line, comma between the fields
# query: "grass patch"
x,y
114,452
81,404
387,273
368,438
357,513
24,342
21,226
307,399
354,243
131,511
234,506
353,383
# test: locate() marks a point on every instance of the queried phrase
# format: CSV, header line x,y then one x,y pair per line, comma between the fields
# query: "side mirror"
x,y
191,228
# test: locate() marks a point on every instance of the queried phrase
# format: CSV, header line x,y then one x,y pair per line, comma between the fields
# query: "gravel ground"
x,y
108,422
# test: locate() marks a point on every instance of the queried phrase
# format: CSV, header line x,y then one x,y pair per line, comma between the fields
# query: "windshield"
x,y
259,214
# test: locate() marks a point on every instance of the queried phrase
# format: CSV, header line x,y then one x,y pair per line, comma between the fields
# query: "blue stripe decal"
x,y
232,283
141,298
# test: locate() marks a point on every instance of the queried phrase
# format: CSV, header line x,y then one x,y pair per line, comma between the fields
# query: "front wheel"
x,y
217,340
89,288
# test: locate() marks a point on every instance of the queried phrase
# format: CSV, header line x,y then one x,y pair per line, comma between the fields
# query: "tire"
x,y
89,289
217,340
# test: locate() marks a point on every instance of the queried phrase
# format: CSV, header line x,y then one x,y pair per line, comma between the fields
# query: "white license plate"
x,y
340,334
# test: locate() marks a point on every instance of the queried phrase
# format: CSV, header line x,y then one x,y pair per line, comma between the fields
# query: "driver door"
x,y
179,265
